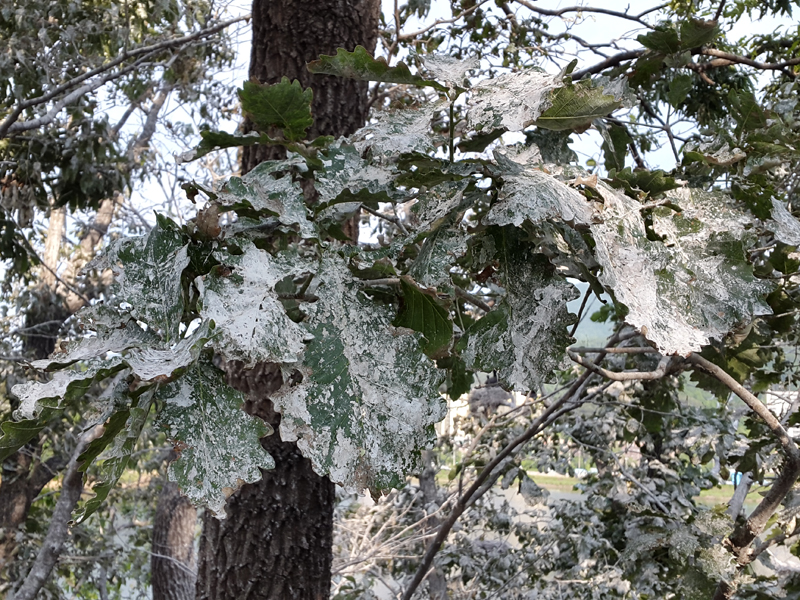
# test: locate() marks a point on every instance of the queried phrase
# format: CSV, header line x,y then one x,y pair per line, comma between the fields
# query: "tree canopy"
x,y
481,223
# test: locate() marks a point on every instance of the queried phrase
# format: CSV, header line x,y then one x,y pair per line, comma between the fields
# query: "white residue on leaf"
x,y
528,342
786,227
31,393
396,132
691,288
448,70
251,323
528,193
280,196
218,442
149,362
512,101
369,396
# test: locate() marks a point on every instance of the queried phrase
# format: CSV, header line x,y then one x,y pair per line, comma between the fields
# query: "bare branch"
x,y
660,371
71,489
140,53
733,58
744,534
472,299
590,9
437,22
559,407
386,217
611,61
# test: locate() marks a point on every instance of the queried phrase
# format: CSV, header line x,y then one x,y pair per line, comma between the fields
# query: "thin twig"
x,y
472,299
552,412
389,218
661,370
580,311
142,52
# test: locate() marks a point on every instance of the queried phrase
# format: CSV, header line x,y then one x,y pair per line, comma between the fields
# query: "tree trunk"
x,y
276,542
172,565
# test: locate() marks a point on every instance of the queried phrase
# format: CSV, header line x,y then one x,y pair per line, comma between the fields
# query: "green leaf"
x,y
251,323
525,337
438,255
694,286
479,142
576,106
553,145
285,105
679,88
115,459
218,140
530,194
663,40
746,110
422,311
615,145
359,64
270,189
148,273
696,33
15,434
219,444
369,396
653,183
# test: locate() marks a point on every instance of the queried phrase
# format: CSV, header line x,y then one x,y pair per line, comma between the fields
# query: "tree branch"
x,y
744,534
550,414
660,371
71,489
589,9
141,53
611,61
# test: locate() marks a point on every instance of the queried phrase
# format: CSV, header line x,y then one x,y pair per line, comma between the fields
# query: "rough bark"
x,y
276,541
172,561
288,34
437,583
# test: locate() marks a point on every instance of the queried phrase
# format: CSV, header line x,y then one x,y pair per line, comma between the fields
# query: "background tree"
x,y
76,79
700,281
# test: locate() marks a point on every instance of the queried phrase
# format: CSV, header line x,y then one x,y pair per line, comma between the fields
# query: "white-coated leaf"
x,y
436,205
524,338
694,286
396,132
511,101
786,227
217,441
64,386
150,362
449,70
531,194
147,273
251,323
437,256
369,396
269,188
345,170
111,332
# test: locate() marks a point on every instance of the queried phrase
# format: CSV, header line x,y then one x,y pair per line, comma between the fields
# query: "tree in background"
x,y
84,89
476,238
